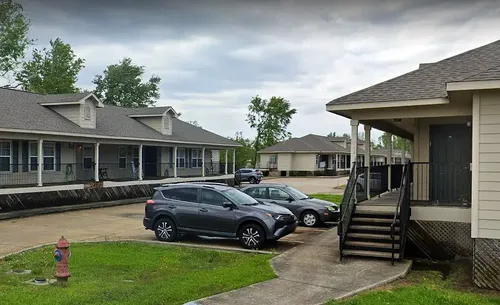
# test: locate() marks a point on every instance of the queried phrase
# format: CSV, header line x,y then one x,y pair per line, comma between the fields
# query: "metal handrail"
x,y
402,208
347,207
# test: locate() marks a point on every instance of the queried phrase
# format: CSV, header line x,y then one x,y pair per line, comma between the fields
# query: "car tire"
x,y
251,236
309,219
165,229
252,180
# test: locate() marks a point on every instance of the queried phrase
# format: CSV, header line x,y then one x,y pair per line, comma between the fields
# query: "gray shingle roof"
x,y
429,81
22,110
309,143
148,110
60,98
490,74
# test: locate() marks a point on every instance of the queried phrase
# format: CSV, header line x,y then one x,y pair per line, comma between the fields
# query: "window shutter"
x,y
15,156
58,156
190,157
25,155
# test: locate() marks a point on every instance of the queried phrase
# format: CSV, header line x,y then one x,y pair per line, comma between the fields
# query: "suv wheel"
x,y
252,180
165,229
309,219
251,236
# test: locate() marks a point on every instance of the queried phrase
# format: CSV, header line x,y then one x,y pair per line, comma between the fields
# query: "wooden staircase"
x,y
369,235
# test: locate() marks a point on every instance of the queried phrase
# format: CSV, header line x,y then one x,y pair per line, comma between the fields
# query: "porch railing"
x,y
441,183
402,213
347,208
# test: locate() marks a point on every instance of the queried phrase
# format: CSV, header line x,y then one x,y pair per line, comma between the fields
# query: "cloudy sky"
x,y
213,56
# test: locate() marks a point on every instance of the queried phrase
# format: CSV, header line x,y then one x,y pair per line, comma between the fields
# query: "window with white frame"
x,y
33,156
122,157
5,155
181,158
196,159
49,156
87,113
135,156
88,157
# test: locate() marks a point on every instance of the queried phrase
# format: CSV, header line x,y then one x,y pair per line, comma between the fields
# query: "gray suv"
x,y
213,209
310,211
252,175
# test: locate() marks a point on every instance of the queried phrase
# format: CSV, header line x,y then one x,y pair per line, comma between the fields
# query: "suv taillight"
x,y
150,201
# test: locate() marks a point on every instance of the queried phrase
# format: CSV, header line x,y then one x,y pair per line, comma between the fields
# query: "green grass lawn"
x,y
428,288
328,197
159,274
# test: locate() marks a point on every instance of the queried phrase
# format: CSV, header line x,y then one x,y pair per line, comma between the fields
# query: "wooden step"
x,y
374,212
367,244
374,220
370,254
373,228
371,236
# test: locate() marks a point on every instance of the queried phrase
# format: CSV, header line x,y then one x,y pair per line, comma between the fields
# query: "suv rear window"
x,y
181,193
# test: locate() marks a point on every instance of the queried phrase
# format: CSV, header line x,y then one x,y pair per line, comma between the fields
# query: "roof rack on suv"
x,y
209,183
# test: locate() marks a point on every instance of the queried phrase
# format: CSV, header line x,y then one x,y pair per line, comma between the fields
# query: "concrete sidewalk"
x,y
312,274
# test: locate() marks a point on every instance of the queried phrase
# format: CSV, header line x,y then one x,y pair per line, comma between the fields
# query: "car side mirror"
x,y
290,199
227,204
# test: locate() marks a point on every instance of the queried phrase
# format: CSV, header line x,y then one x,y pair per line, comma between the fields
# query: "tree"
x,y
195,123
51,71
14,41
244,154
121,85
397,142
270,119
332,134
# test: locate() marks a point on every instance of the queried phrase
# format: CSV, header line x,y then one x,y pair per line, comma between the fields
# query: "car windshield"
x,y
240,197
296,193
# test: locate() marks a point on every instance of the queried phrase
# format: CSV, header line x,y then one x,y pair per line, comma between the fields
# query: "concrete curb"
x,y
67,208
152,242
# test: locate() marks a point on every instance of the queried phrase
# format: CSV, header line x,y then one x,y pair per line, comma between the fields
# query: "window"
x,y
277,194
122,157
182,194
88,157
239,197
197,158
212,197
257,192
5,156
296,193
135,156
87,113
33,161
181,158
49,156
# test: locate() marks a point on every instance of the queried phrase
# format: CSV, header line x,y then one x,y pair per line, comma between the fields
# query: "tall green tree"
x,y
121,85
269,118
14,40
51,71
244,154
397,142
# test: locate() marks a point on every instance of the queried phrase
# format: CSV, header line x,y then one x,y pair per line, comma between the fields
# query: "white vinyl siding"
x,y
154,122
88,108
71,112
488,158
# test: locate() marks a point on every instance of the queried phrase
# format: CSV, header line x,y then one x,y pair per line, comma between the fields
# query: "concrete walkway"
x,y
312,274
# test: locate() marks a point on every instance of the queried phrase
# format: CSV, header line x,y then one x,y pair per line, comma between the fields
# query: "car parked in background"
x,y
213,209
310,211
252,175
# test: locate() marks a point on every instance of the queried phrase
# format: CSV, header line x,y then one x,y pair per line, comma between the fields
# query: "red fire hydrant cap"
x,y
62,243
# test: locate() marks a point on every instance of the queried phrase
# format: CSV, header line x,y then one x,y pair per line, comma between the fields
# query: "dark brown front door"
x,y
450,159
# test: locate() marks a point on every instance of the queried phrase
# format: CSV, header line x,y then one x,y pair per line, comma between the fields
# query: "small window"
x,y
4,156
182,194
277,194
122,157
181,158
212,197
257,192
49,156
87,113
33,161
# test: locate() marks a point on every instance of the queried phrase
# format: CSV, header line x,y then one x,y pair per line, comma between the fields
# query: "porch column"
x,y
96,159
225,167
389,161
40,162
175,161
354,151
140,162
403,152
203,162
234,161
368,148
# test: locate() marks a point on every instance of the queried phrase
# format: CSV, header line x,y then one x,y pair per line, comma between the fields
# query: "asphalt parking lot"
x,y
125,223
